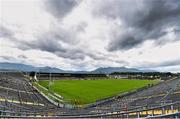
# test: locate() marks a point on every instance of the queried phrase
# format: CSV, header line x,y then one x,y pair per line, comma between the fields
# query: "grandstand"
x,y
18,98
59,76
17,95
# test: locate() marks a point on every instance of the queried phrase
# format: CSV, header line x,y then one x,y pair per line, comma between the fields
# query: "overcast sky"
x,y
86,34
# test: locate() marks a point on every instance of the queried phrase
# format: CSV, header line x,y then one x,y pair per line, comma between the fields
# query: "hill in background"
x,y
28,68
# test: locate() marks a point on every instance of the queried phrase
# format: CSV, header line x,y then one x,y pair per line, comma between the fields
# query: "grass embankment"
x,y
89,91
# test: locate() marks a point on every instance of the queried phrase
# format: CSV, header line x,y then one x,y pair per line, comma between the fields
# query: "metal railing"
x,y
172,109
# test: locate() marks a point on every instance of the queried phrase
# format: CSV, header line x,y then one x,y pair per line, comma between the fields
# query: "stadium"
x,y
21,96
89,59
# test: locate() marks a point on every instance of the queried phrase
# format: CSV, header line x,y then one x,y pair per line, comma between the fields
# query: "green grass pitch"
x,y
89,91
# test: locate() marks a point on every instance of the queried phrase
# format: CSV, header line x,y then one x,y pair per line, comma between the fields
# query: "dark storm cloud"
x,y
52,46
176,31
72,54
59,8
49,45
56,48
142,20
58,41
124,41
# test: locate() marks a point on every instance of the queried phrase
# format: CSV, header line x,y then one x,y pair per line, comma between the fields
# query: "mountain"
x,y
108,70
17,66
50,69
29,68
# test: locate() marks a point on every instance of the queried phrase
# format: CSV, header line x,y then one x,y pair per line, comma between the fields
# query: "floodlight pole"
x,y
49,81
39,74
